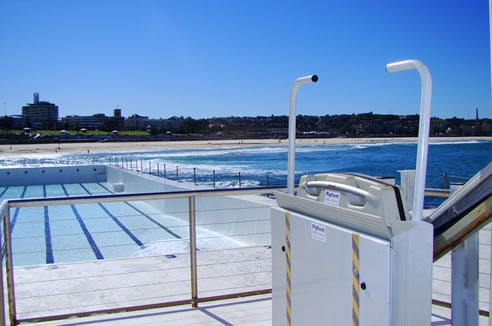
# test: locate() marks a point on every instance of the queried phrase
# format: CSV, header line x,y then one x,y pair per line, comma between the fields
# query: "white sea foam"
x,y
457,142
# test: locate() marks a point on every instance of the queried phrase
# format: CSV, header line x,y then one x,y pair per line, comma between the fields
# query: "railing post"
x,y
193,267
464,279
131,165
141,167
194,176
490,263
239,179
2,297
268,179
407,182
445,175
177,174
214,177
9,268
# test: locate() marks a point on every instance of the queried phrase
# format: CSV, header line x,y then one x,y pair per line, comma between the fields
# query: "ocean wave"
x,y
202,169
459,142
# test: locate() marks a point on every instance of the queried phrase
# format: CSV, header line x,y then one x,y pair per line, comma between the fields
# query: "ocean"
x,y
262,165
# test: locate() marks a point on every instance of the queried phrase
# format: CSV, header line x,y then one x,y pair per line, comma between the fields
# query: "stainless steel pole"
x,y
2,298
424,129
193,267
291,159
10,268
464,279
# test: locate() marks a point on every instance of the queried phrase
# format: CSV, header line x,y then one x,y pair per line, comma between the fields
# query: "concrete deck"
x,y
63,288
253,311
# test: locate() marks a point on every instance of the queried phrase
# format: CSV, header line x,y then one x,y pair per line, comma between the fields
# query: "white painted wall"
x,y
244,219
52,175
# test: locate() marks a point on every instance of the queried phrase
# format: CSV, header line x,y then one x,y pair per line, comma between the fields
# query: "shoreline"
x,y
76,148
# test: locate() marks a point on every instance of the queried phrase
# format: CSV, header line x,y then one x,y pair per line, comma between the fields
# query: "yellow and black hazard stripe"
x,y
355,279
288,270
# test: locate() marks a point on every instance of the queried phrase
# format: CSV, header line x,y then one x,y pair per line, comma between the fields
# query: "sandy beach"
x,y
68,148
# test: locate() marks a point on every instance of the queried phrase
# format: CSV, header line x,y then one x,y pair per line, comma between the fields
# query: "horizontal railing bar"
x,y
267,271
139,272
92,199
445,304
145,307
233,296
104,311
445,193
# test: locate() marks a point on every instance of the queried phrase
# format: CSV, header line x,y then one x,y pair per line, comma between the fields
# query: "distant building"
x,y
12,122
136,122
116,122
76,122
173,123
18,121
43,115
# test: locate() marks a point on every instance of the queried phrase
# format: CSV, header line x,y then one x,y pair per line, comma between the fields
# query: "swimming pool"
x,y
84,232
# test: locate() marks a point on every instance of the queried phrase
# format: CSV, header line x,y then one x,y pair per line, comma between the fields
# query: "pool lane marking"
x,y
115,219
154,221
4,191
47,233
16,212
177,236
87,234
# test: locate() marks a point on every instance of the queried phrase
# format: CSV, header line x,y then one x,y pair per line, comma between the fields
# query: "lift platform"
x,y
344,251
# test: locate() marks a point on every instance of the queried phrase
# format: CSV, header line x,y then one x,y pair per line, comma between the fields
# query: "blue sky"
x,y
239,58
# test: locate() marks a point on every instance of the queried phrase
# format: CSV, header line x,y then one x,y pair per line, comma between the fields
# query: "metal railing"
x,y
194,299
190,175
175,172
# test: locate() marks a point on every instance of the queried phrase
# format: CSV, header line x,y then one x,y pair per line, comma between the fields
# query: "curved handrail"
x,y
339,186
291,161
424,129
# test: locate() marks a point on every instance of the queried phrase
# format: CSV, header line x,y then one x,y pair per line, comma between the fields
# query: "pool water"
x,y
83,232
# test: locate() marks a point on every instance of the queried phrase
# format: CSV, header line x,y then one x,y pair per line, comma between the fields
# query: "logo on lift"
x,y
318,232
332,198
